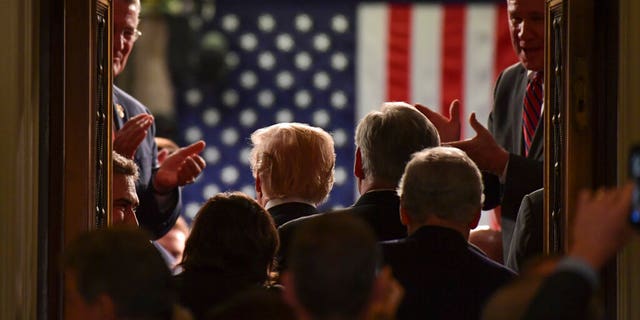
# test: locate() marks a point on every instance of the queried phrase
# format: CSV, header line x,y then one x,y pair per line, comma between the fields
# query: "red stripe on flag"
x,y
453,31
398,53
505,55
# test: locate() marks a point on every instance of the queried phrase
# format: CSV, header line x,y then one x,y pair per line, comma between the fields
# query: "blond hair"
x,y
293,160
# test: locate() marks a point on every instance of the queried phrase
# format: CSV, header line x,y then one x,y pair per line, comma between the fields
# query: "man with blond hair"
x,y
293,166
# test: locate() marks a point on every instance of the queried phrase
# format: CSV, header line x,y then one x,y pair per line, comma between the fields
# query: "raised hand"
x,y
162,155
448,128
129,137
180,168
483,149
601,224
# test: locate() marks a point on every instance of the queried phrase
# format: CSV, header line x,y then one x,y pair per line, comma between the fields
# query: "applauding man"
x,y
157,187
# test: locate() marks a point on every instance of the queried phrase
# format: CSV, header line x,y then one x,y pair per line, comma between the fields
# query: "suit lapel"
x,y
536,150
120,115
519,92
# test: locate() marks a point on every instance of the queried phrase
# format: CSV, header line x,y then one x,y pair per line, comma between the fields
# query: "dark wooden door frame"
x,y
581,125
69,161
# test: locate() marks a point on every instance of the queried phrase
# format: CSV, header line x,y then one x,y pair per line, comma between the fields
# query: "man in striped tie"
x,y
510,152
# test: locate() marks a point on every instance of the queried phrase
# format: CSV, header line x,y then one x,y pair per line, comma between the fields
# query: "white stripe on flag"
x,y
480,43
371,58
425,54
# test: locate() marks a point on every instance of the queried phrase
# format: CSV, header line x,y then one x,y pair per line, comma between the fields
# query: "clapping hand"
x,y
180,168
128,138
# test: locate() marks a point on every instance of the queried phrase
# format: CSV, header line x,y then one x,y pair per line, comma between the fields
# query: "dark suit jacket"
x,y
442,275
200,290
527,235
380,209
149,214
563,295
524,174
286,212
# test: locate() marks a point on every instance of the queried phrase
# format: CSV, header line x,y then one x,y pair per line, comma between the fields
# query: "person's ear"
x,y
258,185
404,216
261,198
476,219
357,165
289,295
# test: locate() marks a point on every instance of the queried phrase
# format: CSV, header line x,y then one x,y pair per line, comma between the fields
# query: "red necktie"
x,y
531,110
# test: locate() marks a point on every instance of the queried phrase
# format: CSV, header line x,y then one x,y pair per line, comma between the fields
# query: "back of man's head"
x,y
121,264
293,160
442,182
388,137
333,262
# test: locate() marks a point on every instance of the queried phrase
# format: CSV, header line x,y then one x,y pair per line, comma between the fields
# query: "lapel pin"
x,y
120,111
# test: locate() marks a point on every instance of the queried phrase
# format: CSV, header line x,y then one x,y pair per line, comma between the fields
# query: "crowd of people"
x,y
401,251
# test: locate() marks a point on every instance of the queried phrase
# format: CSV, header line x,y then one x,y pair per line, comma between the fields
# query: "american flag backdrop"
x,y
327,63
